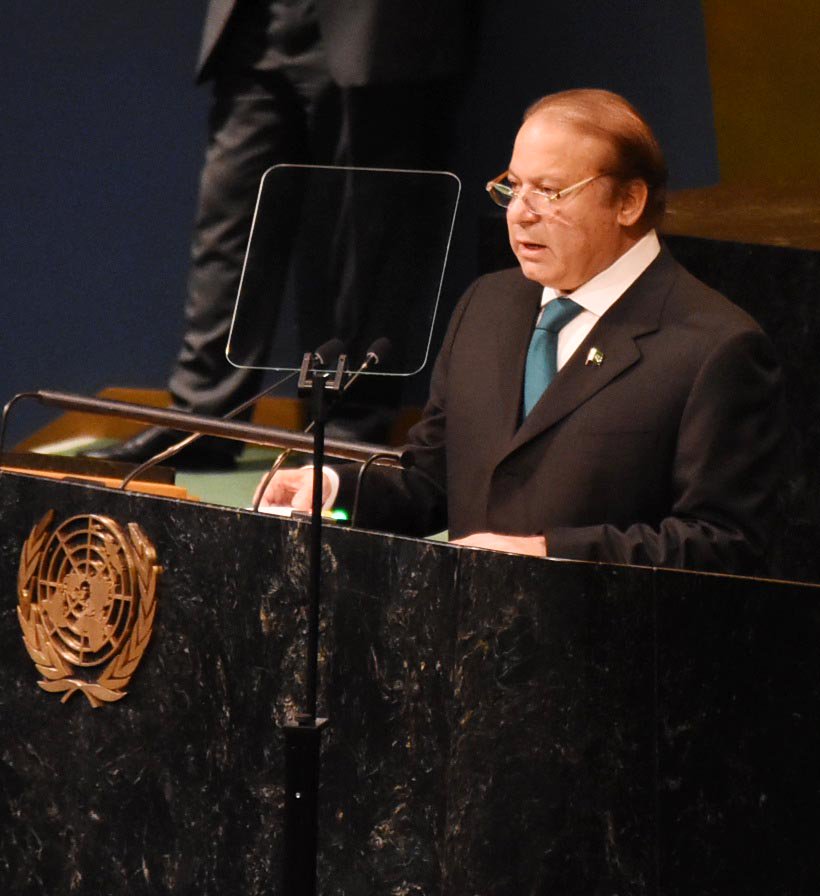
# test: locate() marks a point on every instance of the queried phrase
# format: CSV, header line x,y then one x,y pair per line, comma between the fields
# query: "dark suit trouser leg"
x,y
256,120
403,126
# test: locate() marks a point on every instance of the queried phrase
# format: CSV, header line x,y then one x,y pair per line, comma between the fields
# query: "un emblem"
x,y
86,604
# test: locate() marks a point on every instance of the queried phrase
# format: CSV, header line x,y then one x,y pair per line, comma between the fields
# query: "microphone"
x,y
379,349
325,356
328,352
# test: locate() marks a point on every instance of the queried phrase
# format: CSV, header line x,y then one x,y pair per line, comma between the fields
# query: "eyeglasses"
x,y
537,201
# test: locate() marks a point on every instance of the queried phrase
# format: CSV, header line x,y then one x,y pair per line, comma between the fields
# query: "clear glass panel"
x,y
349,253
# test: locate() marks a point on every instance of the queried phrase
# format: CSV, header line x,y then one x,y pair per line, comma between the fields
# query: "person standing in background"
x,y
334,82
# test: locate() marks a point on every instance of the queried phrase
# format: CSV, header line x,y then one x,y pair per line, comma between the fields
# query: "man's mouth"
x,y
526,246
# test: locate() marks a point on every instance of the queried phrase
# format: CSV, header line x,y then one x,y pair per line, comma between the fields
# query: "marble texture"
x,y
780,212
552,758
498,724
388,646
738,739
177,786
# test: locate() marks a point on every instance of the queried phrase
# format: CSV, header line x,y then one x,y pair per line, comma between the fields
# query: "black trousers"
x,y
259,119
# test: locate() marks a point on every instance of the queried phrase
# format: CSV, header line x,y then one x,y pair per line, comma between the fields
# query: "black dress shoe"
x,y
203,454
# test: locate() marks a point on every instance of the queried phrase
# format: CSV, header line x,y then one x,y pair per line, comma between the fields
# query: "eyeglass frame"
x,y
550,197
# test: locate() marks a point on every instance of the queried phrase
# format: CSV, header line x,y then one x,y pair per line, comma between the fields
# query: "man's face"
x,y
582,233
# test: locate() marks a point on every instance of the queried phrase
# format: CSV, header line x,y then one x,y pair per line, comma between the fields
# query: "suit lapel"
x,y
615,335
512,341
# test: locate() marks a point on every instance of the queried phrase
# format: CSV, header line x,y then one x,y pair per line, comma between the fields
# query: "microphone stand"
x,y
303,734
268,436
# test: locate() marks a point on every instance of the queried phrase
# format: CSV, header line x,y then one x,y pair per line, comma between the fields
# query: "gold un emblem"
x,y
87,601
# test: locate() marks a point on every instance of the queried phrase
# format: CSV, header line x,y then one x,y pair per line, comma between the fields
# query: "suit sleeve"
x,y
412,501
726,473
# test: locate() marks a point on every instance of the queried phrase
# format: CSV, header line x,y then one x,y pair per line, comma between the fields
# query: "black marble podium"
x,y
499,724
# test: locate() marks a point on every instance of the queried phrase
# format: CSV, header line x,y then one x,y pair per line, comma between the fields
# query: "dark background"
x,y
102,139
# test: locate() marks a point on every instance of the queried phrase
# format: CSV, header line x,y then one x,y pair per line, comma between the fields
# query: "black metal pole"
x,y
315,584
301,834
209,426
303,736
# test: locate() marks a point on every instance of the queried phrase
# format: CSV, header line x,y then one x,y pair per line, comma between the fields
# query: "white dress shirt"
x,y
601,292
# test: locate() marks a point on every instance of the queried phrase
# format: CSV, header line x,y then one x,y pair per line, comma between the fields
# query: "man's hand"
x,y
533,545
291,488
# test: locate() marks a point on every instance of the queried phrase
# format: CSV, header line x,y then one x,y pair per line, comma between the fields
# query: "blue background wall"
x,y
102,138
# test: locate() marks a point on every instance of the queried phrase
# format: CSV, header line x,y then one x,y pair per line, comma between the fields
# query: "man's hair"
x,y
637,155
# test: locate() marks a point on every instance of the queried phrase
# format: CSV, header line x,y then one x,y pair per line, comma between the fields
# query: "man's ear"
x,y
632,202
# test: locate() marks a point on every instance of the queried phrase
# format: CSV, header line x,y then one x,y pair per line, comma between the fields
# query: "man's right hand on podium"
x,y
294,489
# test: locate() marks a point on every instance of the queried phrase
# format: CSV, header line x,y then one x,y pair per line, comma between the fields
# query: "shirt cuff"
x,y
333,479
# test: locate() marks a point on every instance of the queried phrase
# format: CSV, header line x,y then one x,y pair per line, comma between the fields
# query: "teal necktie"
x,y
542,364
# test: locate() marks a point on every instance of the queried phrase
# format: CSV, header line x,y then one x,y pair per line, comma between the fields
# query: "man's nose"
x,y
519,210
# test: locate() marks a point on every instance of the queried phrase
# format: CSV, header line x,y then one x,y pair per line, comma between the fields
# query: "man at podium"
x,y
596,402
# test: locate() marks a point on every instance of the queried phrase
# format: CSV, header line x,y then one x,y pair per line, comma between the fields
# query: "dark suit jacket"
x,y
373,41
666,454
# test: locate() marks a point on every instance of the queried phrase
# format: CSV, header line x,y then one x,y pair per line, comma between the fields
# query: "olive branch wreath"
x,y
56,672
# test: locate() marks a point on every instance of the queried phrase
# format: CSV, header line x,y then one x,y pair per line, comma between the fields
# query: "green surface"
x,y
230,488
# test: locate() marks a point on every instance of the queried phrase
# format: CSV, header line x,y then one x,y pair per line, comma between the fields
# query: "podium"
x,y
498,724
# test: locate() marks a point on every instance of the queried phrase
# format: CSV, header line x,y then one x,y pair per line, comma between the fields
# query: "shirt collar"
x,y
604,289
